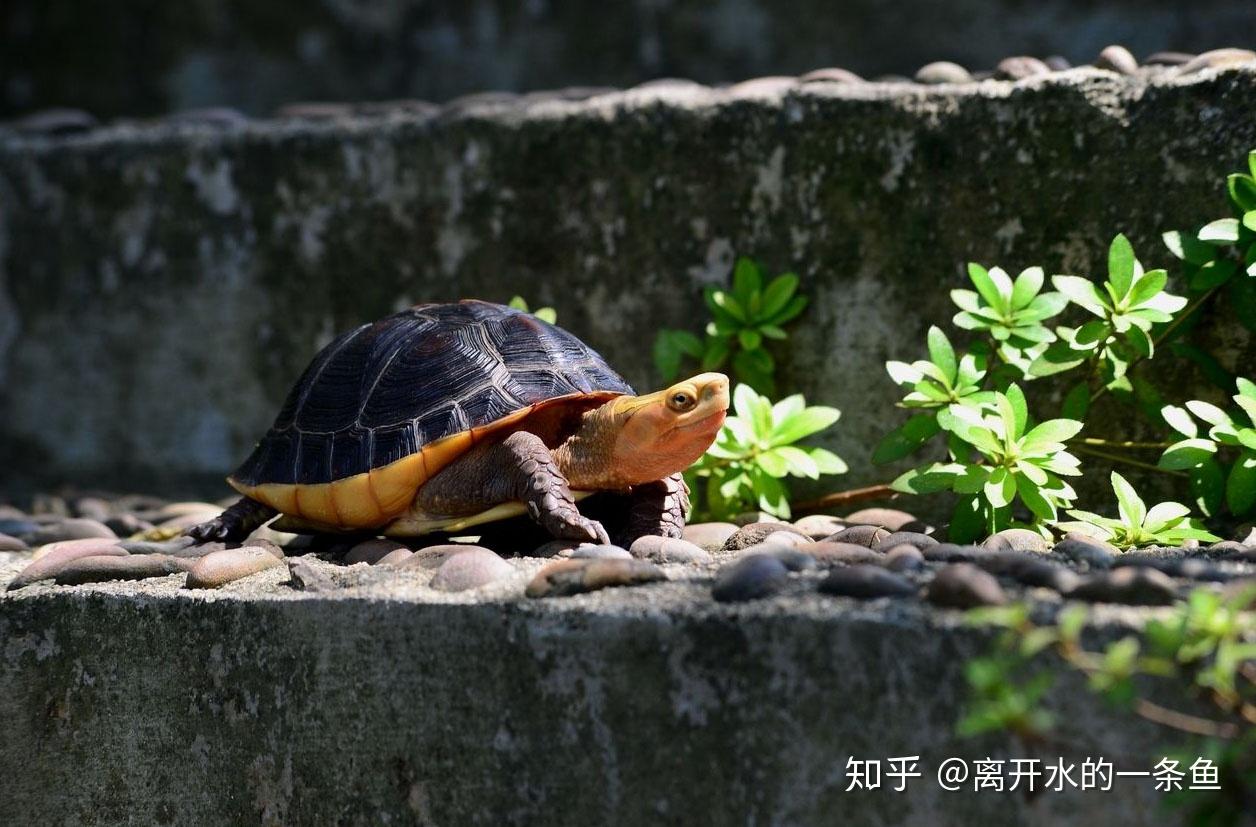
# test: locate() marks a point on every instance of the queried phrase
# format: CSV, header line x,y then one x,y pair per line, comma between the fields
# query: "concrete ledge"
x,y
391,703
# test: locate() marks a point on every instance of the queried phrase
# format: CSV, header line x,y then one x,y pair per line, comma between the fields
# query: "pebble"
x,y
178,547
219,568
1020,67
888,518
865,582
92,508
554,548
395,557
1190,567
568,577
819,526
1217,59
306,576
1168,58
942,71
905,538
1057,63
8,543
1225,547
952,553
75,528
125,525
769,85
55,122
371,551
831,553
1016,539
1132,585
793,558
470,569
668,550
314,110
11,512
1082,548
20,528
1031,570
130,567
710,536
589,551
750,578
190,508
433,557
755,533
745,518
1117,59
965,586
861,535
50,559
832,74
218,116
904,558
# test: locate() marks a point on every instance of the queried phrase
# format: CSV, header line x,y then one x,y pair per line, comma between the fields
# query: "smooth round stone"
x,y
588,551
904,558
222,567
178,547
1016,539
905,538
1168,58
315,110
1132,585
942,71
8,543
469,570
126,525
770,85
371,551
186,509
556,548
102,569
866,582
668,550
861,535
51,559
1020,67
964,586
890,519
1224,547
746,518
952,553
755,533
21,528
92,508
1217,59
11,512
1082,548
75,528
1031,569
1190,544
306,574
749,578
567,577
217,116
830,553
819,526
56,121
1057,63
433,557
831,74
395,557
792,557
710,536
1117,59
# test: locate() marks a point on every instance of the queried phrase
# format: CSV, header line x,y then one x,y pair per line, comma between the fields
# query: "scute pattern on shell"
x,y
382,391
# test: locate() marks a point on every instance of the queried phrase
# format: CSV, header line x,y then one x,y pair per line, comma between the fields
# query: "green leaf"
x,y
1049,433
746,278
1020,414
716,354
749,339
906,439
1042,507
791,309
547,314
518,303
1208,486
968,521
804,423
1043,307
1221,231
778,293
941,353
1129,504
1209,413
1026,286
986,287
1188,248
826,461
1077,403
1165,515
1240,486
1000,488
797,461
1213,274
1120,266
1081,292
1242,190
928,479
1151,283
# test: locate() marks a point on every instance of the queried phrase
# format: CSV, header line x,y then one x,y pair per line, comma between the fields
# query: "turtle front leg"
x,y
234,524
520,468
658,509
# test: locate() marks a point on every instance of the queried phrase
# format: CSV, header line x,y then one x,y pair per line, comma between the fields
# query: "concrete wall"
x,y
134,57
161,287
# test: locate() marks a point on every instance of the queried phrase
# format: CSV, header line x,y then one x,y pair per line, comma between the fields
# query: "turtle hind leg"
x,y
234,524
658,509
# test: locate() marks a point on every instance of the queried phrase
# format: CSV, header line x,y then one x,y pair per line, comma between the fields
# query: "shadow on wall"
x,y
136,57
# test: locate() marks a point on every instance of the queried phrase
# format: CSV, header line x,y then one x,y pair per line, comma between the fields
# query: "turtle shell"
x,y
386,406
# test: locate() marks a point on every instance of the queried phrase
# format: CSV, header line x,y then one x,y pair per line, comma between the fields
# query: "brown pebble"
x,y
307,575
555,548
568,577
755,533
819,526
1117,59
1217,59
710,536
589,551
860,535
830,553
904,558
75,528
395,557
1016,539
222,567
51,558
866,582
1168,58
371,551
964,586
832,74
433,557
130,567
888,518
8,543
668,550
1132,585
1020,67
905,538
470,569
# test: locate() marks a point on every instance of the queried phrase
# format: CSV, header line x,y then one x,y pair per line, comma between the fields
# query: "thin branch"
x,y
1114,443
1084,449
841,498
1184,722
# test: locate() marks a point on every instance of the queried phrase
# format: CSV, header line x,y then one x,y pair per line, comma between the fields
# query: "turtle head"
x,y
630,440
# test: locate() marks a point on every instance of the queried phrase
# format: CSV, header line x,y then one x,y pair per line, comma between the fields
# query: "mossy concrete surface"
x,y
162,286
126,703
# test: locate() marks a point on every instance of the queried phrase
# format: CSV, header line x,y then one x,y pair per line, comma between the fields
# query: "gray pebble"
x,y
792,557
1081,548
905,538
8,543
1031,570
904,558
92,508
832,74
307,576
129,567
395,557
75,528
755,533
1057,63
1117,59
1132,585
555,548
51,559
178,547
1020,67
964,586
215,116
1226,547
371,551
124,525
19,527
568,577
942,71
1016,539
830,553
861,535
470,569
1168,58
433,557
55,122
1217,59
819,526
750,578
668,550
710,536
952,553
746,518
588,551
866,582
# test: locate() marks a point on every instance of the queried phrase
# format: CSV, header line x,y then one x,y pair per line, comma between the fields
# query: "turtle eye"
x,y
680,402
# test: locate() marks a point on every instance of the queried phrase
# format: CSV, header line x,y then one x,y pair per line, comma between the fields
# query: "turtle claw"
x,y
576,527
209,531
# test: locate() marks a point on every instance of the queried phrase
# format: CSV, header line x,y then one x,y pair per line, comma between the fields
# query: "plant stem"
x,y
1114,443
839,498
1084,449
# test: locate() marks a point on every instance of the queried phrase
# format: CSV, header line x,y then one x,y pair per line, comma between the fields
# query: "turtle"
x,y
446,416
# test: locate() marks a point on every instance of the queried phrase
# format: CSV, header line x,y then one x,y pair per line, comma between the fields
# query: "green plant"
x,y
1165,524
756,450
1222,464
545,314
743,319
